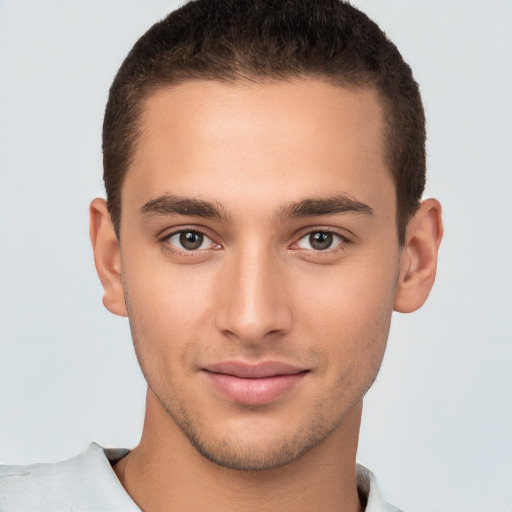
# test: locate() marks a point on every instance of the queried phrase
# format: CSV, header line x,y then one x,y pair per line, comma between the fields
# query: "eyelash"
x,y
190,252
343,242
340,246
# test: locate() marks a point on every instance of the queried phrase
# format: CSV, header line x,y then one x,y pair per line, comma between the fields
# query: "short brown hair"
x,y
258,40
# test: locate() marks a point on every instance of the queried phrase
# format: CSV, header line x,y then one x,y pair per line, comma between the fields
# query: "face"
x,y
259,258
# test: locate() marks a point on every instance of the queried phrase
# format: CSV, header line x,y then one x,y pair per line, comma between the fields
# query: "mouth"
x,y
254,384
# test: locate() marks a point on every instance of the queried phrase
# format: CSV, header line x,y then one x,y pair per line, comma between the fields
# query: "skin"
x,y
258,289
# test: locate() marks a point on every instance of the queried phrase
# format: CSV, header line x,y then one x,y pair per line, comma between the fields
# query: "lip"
x,y
254,384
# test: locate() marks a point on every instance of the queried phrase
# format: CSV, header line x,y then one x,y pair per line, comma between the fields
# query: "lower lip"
x,y
254,391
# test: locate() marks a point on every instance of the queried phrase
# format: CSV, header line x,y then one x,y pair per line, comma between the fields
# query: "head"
x,y
259,41
264,163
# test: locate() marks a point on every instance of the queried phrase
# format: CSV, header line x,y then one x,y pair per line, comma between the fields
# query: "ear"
x,y
107,257
419,257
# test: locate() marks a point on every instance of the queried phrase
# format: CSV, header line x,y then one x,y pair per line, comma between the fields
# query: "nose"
x,y
253,305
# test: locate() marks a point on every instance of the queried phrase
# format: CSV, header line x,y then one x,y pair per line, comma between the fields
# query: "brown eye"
x,y
191,240
320,240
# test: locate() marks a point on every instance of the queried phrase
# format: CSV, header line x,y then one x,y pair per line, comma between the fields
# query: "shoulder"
x,y
369,492
85,482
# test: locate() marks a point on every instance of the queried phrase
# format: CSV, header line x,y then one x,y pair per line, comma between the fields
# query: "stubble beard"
x,y
240,453
248,455
245,453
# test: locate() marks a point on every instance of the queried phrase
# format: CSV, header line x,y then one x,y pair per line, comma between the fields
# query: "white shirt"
x,y
87,483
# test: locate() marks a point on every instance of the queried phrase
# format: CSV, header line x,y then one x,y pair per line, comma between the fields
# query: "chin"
x,y
259,446
254,456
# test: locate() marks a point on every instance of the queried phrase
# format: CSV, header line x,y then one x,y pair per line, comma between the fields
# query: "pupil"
x,y
191,240
320,241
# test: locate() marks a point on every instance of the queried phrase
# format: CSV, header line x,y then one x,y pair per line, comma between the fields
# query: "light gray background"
x,y
437,426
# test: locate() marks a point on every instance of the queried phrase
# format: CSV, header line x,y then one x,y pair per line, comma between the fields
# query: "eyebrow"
x,y
332,205
168,204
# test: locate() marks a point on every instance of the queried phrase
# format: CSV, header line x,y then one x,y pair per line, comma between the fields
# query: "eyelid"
x,y
345,239
167,234
169,231
303,233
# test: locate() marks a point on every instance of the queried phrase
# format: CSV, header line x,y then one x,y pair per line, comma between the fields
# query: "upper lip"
x,y
253,371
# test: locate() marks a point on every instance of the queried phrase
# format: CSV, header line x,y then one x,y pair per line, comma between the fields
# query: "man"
x,y
264,165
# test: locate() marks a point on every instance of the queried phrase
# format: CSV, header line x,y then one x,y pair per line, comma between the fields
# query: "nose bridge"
x,y
254,302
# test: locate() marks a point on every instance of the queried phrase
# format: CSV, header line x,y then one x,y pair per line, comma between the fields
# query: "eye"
x,y
320,241
189,240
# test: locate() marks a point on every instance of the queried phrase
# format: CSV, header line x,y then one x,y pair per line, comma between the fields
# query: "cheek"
x,y
168,307
163,294
165,317
347,311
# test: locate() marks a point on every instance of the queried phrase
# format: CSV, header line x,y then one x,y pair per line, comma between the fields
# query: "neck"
x,y
166,472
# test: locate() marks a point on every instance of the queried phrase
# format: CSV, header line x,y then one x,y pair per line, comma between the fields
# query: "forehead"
x,y
287,139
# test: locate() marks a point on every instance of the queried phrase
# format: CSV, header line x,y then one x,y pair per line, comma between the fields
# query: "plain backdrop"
x,y
437,425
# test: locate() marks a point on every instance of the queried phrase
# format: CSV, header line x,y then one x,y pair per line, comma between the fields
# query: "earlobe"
x,y
419,257
107,257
